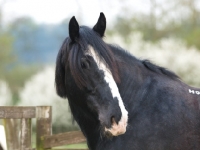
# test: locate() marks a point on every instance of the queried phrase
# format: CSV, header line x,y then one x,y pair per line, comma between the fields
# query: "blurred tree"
x,y
6,56
6,51
166,18
23,31
14,73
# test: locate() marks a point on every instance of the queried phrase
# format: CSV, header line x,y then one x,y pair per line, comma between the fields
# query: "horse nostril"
x,y
113,120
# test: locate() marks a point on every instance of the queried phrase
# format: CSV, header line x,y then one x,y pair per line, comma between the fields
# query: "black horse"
x,y
121,102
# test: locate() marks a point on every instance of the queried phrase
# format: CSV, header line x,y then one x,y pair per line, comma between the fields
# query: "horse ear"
x,y
73,29
100,26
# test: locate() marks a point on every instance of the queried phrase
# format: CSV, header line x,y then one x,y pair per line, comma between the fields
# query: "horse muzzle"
x,y
117,128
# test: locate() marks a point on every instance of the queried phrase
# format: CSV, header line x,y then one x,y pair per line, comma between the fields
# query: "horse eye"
x,y
91,90
84,63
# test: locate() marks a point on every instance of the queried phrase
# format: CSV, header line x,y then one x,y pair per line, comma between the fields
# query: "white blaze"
x,y
119,128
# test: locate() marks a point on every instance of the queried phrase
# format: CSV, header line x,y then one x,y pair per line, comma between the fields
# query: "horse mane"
x,y
74,51
158,69
145,62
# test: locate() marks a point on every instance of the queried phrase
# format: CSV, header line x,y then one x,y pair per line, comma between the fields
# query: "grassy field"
x,y
75,146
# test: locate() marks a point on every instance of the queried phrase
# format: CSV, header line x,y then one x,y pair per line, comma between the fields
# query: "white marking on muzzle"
x,y
120,128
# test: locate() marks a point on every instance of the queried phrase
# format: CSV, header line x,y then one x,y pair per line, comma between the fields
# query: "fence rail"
x,y
18,128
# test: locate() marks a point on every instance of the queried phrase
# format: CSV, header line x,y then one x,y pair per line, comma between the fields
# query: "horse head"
x,y
87,75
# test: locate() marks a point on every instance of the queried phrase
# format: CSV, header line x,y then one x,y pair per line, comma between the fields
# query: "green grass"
x,y
75,146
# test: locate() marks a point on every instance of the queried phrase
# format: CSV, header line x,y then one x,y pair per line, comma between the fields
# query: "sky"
x,y
54,11
85,11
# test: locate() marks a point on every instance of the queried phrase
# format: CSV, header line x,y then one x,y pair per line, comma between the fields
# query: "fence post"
x,y
26,131
43,124
12,126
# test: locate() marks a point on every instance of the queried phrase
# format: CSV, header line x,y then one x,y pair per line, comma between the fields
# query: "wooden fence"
x,y
18,128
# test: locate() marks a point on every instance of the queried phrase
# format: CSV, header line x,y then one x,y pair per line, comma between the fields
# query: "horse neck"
x,y
133,76
132,81
129,67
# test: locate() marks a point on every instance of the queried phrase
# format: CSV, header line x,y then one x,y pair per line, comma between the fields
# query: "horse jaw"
x,y
120,127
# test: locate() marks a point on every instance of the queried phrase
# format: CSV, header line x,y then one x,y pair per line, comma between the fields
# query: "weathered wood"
x,y
63,139
17,122
17,112
12,128
25,134
43,124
